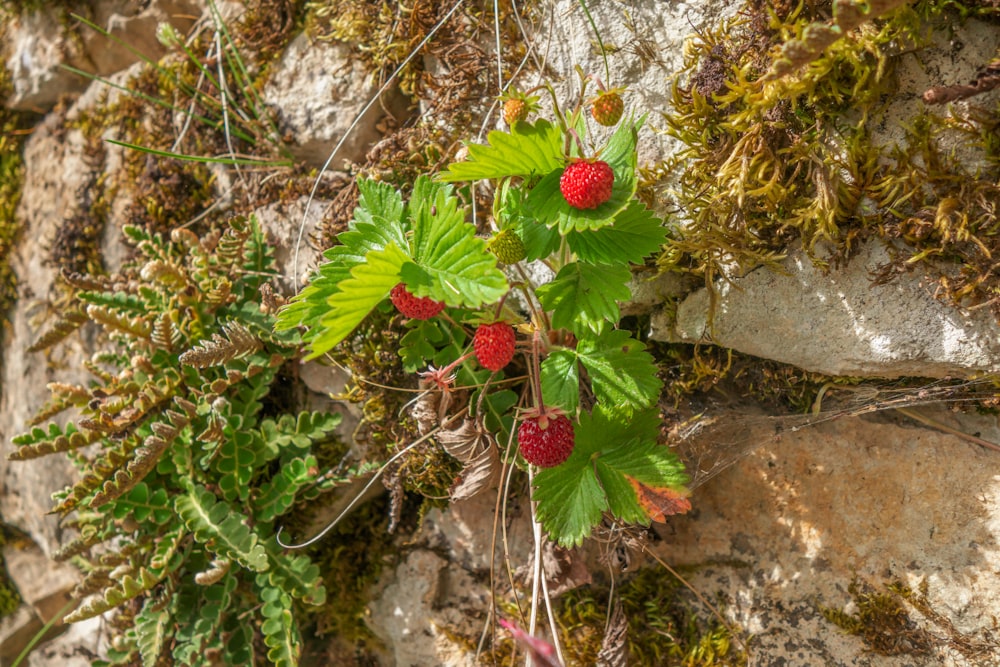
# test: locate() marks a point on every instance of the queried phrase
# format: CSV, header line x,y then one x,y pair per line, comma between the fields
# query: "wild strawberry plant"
x,y
554,362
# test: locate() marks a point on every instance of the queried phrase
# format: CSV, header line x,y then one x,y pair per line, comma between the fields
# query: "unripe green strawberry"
x,y
507,246
607,108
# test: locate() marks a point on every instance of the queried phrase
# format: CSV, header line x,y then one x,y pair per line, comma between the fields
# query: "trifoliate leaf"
x,y
450,263
368,285
560,378
419,345
583,297
528,150
621,372
377,222
496,411
570,501
539,241
636,233
546,203
610,451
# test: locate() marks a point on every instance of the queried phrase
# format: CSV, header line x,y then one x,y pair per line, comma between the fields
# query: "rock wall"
x,y
788,512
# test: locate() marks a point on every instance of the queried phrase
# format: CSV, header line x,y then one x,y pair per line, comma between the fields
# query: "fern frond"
x,y
101,469
219,569
153,630
144,459
126,588
230,250
221,528
220,293
85,281
62,397
39,442
67,323
120,301
79,544
277,495
238,457
297,575
280,632
114,321
166,273
238,342
165,334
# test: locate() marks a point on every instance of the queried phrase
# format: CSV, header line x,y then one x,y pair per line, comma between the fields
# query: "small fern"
x,y
177,502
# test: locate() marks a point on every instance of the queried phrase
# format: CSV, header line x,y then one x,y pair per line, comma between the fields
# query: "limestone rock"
x,y
317,89
425,598
55,169
784,530
40,43
16,632
290,226
76,646
645,43
838,322
44,584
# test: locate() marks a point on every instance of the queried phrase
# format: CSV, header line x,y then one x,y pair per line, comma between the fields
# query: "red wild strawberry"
x,y
416,308
586,183
548,445
494,345
607,108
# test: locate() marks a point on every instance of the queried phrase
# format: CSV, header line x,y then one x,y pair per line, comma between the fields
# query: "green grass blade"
x,y
199,158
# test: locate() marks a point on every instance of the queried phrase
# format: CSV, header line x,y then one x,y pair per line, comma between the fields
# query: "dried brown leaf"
x,y
478,454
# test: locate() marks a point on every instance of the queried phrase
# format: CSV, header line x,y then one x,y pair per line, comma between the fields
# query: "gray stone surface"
x,y
645,41
43,583
783,531
40,43
317,89
839,322
55,168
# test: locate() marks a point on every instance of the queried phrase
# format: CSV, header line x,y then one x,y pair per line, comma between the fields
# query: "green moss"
x,y
881,620
771,162
351,558
10,599
665,627
14,129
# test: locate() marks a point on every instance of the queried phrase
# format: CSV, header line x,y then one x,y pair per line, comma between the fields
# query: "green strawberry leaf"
x,y
369,284
377,222
420,343
449,262
496,408
610,449
539,241
583,297
636,233
621,372
560,378
546,203
570,500
528,150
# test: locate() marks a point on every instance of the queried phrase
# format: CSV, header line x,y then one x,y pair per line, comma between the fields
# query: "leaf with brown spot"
x,y
660,502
